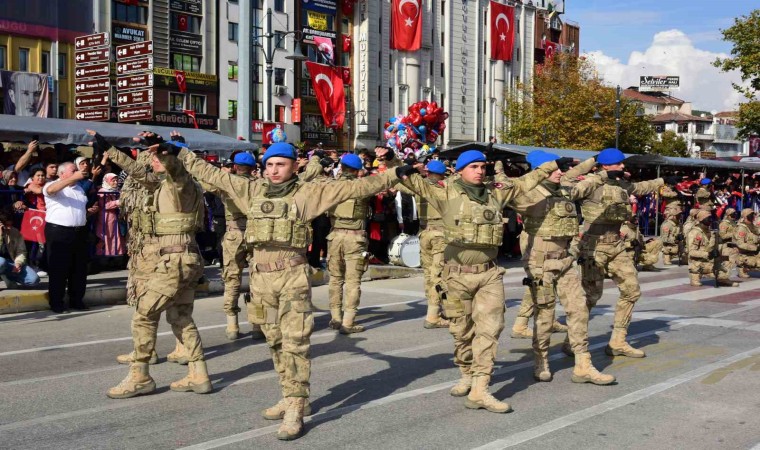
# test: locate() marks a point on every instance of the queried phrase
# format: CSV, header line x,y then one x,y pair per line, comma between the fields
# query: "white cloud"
x,y
672,52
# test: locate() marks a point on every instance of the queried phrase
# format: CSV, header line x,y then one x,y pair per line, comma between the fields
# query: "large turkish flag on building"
x,y
406,24
33,226
327,83
502,31
550,49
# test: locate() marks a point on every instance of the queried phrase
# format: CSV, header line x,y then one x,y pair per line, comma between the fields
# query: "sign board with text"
x,y
135,113
94,70
659,83
92,100
91,41
134,65
129,98
144,80
92,85
91,56
95,115
133,50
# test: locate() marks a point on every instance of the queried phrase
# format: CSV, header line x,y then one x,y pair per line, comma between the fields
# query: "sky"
x,y
630,38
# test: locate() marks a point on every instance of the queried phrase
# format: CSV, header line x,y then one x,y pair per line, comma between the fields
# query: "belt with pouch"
x,y
280,264
475,269
190,248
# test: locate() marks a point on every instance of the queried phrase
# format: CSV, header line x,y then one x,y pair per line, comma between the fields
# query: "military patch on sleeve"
x,y
498,185
699,238
666,229
742,234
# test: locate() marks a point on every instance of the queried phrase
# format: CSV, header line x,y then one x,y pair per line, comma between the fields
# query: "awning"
x,y
72,132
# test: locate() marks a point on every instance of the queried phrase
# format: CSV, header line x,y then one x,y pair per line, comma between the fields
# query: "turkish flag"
x,y
191,113
326,47
502,31
179,75
550,49
346,43
327,83
182,22
406,25
33,226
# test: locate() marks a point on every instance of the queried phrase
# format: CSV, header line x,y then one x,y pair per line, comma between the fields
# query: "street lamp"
x,y
597,116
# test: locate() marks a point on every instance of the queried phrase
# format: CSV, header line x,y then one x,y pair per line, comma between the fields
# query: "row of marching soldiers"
x,y
464,284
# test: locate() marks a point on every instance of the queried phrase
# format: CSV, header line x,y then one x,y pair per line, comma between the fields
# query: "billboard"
x,y
659,83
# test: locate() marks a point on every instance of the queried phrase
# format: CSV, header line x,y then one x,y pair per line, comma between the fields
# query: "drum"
x,y
404,250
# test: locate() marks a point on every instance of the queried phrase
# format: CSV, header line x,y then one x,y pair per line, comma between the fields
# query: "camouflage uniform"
x,y
746,240
728,249
703,253
474,302
669,235
705,199
603,252
167,271
650,250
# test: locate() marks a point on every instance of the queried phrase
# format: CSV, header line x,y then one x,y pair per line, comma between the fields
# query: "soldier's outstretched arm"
x,y
417,185
586,187
646,187
518,186
138,172
312,170
318,198
579,170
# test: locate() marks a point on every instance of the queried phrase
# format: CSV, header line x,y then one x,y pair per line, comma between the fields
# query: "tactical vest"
x,y
351,210
150,221
669,236
231,212
608,205
275,221
475,225
555,216
726,229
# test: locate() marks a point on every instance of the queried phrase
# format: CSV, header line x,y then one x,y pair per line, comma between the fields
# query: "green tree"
x,y
558,110
670,144
745,57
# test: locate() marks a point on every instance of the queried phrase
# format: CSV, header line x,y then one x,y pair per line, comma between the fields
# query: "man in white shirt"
x,y
66,238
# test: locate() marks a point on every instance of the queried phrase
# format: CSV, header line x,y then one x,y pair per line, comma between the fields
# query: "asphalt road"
x,y
387,388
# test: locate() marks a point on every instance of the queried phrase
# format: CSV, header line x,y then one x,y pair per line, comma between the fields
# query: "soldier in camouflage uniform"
x,y
168,267
704,196
670,231
728,249
279,210
632,238
474,301
746,240
602,249
703,251
551,222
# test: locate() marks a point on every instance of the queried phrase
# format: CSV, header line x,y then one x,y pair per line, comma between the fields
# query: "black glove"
x,y
564,163
100,144
672,180
635,243
151,139
405,171
168,148
178,138
409,160
320,154
615,174
326,162
731,245
714,254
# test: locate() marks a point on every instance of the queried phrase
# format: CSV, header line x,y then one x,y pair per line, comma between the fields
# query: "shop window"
x,y
23,59
176,102
232,109
232,70
62,65
198,103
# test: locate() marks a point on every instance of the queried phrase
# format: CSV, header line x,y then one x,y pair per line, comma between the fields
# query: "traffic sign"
x,y
135,49
135,113
96,115
92,100
92,85
94,70
144,80
91,56
134,65
91,41
134,97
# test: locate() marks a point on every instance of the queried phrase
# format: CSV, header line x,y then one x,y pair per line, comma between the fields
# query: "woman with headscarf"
x,y
110,240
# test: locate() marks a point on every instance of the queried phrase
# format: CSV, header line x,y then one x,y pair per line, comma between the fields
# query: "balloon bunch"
x,y
277,134
417,132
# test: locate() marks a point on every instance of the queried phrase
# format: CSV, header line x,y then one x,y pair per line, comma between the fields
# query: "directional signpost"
x,y
136,65
134,85
92,56
92,40
135,113
98,114
92,82
94,70
92,85
133,50
134,97
135,82
93,100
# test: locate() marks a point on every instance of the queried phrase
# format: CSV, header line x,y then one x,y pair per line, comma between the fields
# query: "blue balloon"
x,y
392,120
401,127
423,130
423,111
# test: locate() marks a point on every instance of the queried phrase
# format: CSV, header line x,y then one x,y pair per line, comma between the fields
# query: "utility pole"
x,y
617,117
244,71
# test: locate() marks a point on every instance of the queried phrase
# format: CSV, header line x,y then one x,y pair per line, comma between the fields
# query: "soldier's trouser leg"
x,y
281,304
592,277
625,276
651,253
233,255
432,246
336,267
354,249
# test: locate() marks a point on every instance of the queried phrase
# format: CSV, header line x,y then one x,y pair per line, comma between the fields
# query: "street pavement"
x,y
387,388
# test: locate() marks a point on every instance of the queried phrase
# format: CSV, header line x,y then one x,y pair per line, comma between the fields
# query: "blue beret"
x,y
610,156
705,181
531,157
469,157
244,159
352,161
542,158
281,149
437,167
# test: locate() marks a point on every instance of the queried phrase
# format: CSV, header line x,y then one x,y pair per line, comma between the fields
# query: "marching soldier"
x,y
551,222
703,251
704,196
474,298
279,209
746,240
670,231
728,249
633,240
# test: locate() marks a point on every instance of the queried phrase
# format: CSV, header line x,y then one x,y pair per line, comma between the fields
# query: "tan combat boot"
x,y
585,372
557,327
138,382
336,318
648,268
196,380
292,422
438,322
277,411
233,329
727,282
541,371
567,349
463,386
619,347
179,355
479,397
256,332
743,272
129,358
695,280
520,329
666,260
348,326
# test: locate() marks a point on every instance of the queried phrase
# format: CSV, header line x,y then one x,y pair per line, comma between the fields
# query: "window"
x,y
23,59
232,109
279,5
390,61
188,63
279,77
232,70
3,53
129,13
443,41
659,128
442,71
443,8
185,22
700,128
279,39
198,103
62,65
62,110
176,102
390,94
232,32
279,113
45,62
683,127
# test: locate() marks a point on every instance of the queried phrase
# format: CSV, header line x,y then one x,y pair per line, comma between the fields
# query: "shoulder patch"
x,y
498,185
698,237
666,229
742,234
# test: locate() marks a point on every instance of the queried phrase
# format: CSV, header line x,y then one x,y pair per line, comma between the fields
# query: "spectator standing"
x,y
110,240
51,171
33,190
66,236
13,268
20,166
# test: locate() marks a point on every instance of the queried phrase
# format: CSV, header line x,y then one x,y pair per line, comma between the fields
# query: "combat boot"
x,y
463,386
256,332
233,329
541,371
179,355
557,327
129,358
138,382
196,380
648,268
440,322
727,282
666,260
292,422
336,318
743,272
348,326
479,397
695,280
520,329
619,347
585,372
277,411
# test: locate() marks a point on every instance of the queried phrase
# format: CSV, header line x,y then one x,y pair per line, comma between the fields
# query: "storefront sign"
x,y
186,42
128,34
188,6
317,21
659,83
323,6
295,110
183,120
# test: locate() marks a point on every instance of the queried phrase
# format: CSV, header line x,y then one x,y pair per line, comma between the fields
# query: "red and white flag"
x,y
33,226
326,47
182,22
179,75
406,25
191,113
550,49
327,83
502,31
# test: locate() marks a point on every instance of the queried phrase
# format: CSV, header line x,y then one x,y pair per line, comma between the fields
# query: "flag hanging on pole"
x,y
327,83
406,25
502,31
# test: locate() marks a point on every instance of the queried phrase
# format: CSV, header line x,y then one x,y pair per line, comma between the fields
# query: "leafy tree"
x,y
670,144
558,109
745,57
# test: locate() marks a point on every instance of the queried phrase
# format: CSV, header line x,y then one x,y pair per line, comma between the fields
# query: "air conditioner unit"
x,y
280,90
